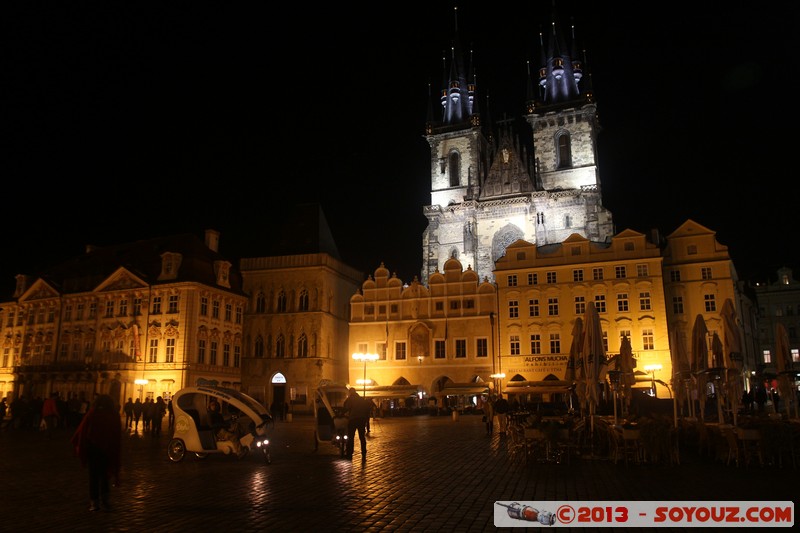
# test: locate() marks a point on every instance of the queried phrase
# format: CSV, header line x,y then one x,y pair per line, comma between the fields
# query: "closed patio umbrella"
x,y
594,358
733,356
699,360
783,364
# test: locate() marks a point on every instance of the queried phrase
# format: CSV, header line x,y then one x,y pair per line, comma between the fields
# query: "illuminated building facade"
x,y
134,320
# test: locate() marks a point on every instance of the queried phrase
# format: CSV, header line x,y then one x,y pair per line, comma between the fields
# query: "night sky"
x,y
125,122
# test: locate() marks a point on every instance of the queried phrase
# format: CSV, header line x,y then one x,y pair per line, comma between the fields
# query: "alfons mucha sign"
x,y
536,367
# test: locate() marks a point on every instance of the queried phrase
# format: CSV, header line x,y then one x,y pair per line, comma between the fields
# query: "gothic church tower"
x,y
486,191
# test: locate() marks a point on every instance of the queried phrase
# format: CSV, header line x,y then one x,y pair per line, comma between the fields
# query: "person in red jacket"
x,y
50,413
97,443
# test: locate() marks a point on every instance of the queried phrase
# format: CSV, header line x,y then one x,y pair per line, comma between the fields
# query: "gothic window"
x,y
280,346
259,347
281,307
302,346
564,150
261,303
454,168
303,303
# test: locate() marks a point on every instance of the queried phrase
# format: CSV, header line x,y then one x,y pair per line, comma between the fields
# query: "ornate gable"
x,y
122,279
507,175
40,290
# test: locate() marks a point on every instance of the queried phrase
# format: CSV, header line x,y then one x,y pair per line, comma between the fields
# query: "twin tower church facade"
x,y
488,191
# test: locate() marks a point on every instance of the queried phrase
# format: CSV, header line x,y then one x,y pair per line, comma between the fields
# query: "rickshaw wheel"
x,y
176,450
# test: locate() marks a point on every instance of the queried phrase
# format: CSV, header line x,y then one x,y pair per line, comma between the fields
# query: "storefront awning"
x,y
538,387
390,392
467,389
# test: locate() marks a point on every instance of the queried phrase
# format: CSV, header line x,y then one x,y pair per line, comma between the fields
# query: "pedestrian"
x,y
3,412
50,413
501,408
159,410
358,410
372,409
147,413
761,398
170,414
137,413
97,443
488,415
128,409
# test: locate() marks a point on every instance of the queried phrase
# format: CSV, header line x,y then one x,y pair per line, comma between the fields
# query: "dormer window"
x,y
170,265
222,270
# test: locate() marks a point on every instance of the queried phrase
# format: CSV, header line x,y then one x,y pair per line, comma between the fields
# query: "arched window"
x,y
454,169
280,347
261,303
564,150
281,303
302,346
259,348
303,301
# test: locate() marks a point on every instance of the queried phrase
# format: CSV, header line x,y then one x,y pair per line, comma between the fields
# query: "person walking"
x,y
358,411
128,410
50,413
488,415
137,414
159,410
501,408
97,443
170,414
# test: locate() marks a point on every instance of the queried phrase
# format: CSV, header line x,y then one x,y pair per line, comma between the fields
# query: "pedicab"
x,y
247,417
331,422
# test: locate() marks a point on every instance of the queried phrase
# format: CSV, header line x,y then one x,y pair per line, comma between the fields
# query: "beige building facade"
x,y
135,320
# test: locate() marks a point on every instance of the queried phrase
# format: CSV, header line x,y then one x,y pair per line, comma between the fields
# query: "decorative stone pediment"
x,y
122,279
40,290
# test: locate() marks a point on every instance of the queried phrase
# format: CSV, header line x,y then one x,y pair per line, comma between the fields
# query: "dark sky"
x,y
123,122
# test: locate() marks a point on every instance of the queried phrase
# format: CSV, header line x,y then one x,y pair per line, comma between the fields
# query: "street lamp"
x,y
652,369
497,378
365,357
141,383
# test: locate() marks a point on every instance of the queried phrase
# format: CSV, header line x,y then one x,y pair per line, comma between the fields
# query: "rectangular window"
x,y
622,302
172,304
400,351
439,306
512,280
109,309
461,348
393,309
215,309
710,303
237,356
513,309
455,305
514,344
674,275
204,306
580,305
123,307
468,304
156,309
153,351
648,338
597,273
677,305
380,347
201,351
170,353
536,344
555,343
644,301
641,271
226,354
67,313
705,273
382,310
767,356
533,307
212,353
577,274
533,279
552,306
624,333
439,349
362,347
137,306
600,303
481,348
551,277
92,310
239,314
620,272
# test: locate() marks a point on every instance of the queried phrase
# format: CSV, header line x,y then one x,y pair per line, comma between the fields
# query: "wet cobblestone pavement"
x,y
422,474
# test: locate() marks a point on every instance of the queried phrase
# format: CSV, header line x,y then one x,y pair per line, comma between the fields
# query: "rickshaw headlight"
x,y
262,442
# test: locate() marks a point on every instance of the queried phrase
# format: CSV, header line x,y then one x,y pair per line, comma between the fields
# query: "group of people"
x,y
150,412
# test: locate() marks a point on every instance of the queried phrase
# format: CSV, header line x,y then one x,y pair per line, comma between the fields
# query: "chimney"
x,y
212,240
